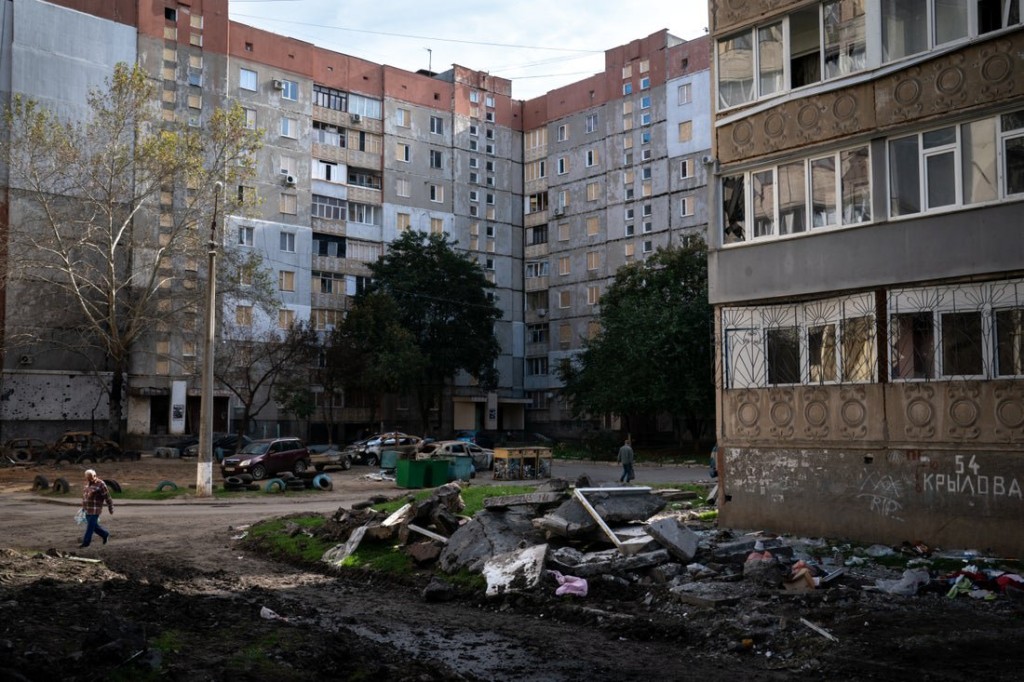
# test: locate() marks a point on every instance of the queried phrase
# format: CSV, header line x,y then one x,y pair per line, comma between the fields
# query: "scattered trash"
x,y
267,614
878,551
820,630
571,585
906,586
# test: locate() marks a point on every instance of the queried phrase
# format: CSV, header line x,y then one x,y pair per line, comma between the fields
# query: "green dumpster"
x,y
437,472
410,473
460,468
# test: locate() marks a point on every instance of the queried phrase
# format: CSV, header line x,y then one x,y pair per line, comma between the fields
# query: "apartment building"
x,y
550,196
867,271
613,170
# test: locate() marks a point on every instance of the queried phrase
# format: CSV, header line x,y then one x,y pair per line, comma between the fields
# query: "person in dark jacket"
x,y
94,496
626,460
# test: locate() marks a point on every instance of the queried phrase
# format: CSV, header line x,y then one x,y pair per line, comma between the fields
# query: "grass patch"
x,y
271,537
169,641
380,556
473,496
467,580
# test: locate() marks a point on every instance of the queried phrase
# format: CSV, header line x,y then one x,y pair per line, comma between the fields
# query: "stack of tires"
x,y
240,483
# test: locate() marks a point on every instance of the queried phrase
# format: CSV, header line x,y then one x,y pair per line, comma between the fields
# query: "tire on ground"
x,y
166,485
252,486
245,478
233,488
273,483
295,484
22,456
40,483
233,481
323,482
112,484
286,475
61,485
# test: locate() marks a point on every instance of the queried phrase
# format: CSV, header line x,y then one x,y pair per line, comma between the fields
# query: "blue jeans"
x,y
627,473
92,525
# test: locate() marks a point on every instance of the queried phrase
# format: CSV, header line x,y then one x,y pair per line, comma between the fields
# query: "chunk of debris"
x,y
611,561
424,553
438,591
337,554
680,541
517,571
712,594
487,535
535,499
676,495
736,552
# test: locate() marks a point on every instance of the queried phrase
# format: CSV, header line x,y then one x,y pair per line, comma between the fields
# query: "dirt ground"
x,y
174,597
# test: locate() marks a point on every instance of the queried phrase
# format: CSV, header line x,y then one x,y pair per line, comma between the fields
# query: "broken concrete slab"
x,y
675,495
517,571
535,499
737,551
614,505
712,594
488,534
680,541
610,562
337,554
424,553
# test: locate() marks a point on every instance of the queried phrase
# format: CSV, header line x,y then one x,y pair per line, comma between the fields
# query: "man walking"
x,y
94,496
626,460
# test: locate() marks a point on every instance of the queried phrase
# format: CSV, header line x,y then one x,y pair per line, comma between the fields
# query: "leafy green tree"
x,y
106,213
653,352
441,298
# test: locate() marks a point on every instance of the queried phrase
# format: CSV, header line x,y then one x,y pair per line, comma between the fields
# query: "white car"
x,y
483,459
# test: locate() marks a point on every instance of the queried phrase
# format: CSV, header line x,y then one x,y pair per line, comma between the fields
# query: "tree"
x,y
106,213
653,352
251,359
441,298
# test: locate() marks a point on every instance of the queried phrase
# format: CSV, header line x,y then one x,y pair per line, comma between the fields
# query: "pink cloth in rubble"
x,y
568,584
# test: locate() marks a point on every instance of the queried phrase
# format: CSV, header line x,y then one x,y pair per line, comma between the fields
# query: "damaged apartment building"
x,y
867,269
550,195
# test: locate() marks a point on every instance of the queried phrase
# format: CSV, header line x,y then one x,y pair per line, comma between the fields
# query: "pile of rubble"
x,y
569,537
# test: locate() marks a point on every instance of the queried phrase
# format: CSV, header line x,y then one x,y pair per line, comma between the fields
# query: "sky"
x,y
539,44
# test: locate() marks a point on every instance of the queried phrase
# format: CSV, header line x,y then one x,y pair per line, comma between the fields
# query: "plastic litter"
x,y
80,517
268,614
571,585
906,586
876,551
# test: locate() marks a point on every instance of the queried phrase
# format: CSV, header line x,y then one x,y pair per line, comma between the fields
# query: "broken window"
x,y
792,199
823,191
855,174
1013,151
821,352
1010,342
913,348
762,190
733,209
858,348
783,355
961,344
845,34
904,177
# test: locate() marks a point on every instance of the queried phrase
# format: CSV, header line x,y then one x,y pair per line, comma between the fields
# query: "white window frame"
x,y
289,127
248,79
290,90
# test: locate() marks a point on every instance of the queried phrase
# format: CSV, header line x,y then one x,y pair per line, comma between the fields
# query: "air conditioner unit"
x,y
542,312
289,180
278,84
24,361
356,118
559,211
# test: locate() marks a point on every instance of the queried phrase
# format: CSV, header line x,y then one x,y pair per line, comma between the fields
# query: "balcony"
x,y
536,283
536,250
364,195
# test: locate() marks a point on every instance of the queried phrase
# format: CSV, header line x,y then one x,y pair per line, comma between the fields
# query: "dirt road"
x,y
174,597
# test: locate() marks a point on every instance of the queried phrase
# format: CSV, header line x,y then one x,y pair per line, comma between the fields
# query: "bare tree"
x,y
107,217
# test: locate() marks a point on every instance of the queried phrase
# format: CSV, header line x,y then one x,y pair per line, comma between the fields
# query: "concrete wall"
x,y
965,498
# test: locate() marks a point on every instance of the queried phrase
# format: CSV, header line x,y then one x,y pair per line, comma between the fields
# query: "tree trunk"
x,y
116,407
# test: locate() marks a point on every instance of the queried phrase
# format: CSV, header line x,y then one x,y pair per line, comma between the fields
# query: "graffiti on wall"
x,y
967,478
884,494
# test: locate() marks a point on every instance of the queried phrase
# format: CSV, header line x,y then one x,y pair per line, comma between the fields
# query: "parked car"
x,y
482,438
26,449
85,446
369,452
483,458
330,457
263,458
228,443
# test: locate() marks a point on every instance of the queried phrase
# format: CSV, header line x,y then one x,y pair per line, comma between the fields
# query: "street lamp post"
x,y
204,466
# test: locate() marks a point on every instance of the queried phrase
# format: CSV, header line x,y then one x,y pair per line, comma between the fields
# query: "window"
x,y
593,226
436,225
684,94
289,127
1009,329
365,214
537,333
473,145
591,123
535,170
288,242
474,96
286,280
537,268
685,169
290,91
474,178
821,353
437,125
645,137
647,210
685,131
1012,127
645,102
648,246
489,133
645,83
437,193
913,347
285,318
489,149
630,213
564,336
489,166
288,203
326,170
646,172
962,344
436,160
563,133
630,229
782,348
326,134
328,246
245,236
489,117
564,266
592,157
593,295
489,101
402,187
923,172
329,98
330,208
403,118
563,165
593,260
243,315
403,221
247,79
686,207
490,199
648,227
629,250
563,232
627,88
474,196
564,298
536,366
402,151
627,71
250,118
474,162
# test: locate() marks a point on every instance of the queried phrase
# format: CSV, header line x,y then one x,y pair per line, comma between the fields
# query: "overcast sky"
x,y
539,44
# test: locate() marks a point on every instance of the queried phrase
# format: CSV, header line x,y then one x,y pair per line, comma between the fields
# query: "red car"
x,y
263,458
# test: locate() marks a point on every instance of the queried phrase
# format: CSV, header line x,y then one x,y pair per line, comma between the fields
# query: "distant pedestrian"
x,y
626,460
94,496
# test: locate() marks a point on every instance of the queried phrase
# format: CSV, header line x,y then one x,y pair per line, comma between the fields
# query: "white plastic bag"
x,y
80,517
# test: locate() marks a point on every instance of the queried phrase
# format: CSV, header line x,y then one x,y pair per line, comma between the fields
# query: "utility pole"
x,y
204,465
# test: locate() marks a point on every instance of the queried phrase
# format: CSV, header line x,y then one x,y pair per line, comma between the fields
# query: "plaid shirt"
x,y
94,496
